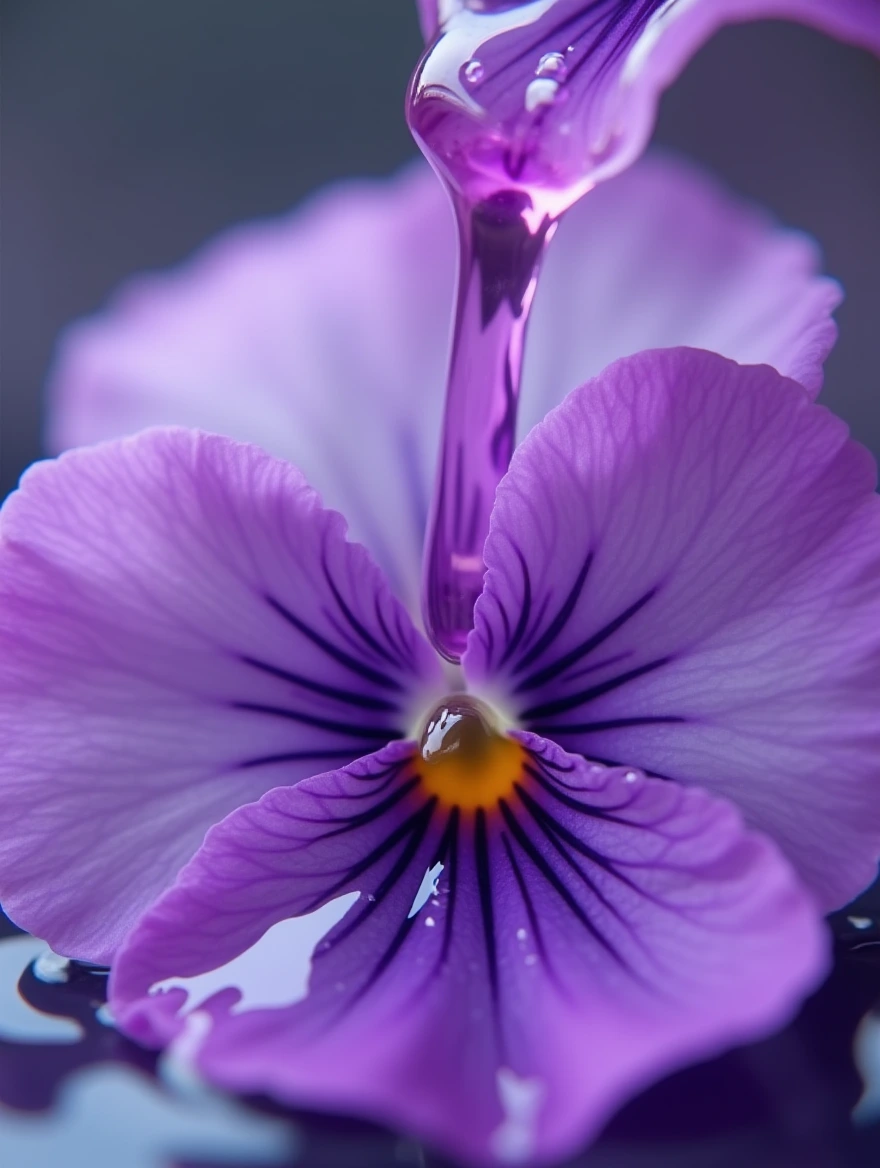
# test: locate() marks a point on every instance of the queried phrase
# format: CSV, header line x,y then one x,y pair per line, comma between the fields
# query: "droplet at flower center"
x,y
464,758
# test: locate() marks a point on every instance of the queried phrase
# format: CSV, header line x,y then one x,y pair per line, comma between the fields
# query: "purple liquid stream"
x,y
497,105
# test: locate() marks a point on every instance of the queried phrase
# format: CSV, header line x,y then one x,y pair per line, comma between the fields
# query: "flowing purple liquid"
x,y
496,107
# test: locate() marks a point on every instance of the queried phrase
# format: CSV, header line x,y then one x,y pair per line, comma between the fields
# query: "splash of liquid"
x,y
497,105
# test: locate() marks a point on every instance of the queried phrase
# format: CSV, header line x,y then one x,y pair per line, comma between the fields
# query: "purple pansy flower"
x,y
557,95
683,592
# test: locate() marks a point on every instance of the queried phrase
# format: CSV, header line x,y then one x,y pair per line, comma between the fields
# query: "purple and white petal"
x,y
684,575
182,627
664,256
556,95
591,932
319,336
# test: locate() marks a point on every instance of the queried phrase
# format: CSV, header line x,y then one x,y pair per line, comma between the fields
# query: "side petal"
x,y
592,931
182,627
684,575
278,331
561,94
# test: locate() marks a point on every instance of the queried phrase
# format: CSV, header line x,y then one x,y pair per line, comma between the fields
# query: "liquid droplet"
x,y
474,72
521,934
552,65
430,922
541,91
531,958
630,777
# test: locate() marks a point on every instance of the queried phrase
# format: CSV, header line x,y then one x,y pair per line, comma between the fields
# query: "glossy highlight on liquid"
x,y
502,105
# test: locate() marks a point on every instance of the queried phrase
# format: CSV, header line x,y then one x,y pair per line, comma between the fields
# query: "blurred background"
x,y
132,130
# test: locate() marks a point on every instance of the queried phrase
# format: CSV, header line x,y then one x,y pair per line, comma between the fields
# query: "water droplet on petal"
x,y
474,71
630,777
531,958
552,65
430,922
541,91
521,934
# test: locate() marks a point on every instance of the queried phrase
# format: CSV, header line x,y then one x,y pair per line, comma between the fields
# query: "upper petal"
x,y
322,336
684,575
590,932
182,627
564,92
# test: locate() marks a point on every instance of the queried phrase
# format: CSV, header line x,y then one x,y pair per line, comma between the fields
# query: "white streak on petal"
x,y
275,971
513,1142
654,30
427,889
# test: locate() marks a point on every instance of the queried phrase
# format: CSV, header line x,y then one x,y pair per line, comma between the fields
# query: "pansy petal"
x,y
663,256
182,627
556,95
590,932
684,575
323,336
317,336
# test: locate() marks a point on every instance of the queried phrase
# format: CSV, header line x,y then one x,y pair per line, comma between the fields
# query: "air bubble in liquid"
x,y
474,72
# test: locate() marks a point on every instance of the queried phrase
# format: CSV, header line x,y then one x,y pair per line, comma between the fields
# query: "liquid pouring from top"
x,y
500,104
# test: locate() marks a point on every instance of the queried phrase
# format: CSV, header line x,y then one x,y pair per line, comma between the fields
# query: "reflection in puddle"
x,y
20,1022
275,971
112,1115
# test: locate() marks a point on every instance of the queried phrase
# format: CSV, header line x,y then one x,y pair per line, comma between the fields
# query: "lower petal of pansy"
x,y
589,929
182,627
684,575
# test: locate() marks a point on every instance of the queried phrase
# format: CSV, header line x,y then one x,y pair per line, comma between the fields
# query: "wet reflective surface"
x,y
101,1100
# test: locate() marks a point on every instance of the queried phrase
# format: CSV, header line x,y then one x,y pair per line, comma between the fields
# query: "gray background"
x,y
134,129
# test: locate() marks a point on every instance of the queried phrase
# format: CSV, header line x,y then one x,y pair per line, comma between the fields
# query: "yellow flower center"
x,y
464,760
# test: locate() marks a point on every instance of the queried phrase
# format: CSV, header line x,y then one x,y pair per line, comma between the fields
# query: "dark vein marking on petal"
x,y
615,763
333,651
546,870
558,834
562,664
552,787
297,756
559,622
353,822
620,724
408,827
571,701
524,613
403,863
345,696
531,913
484,885
452,829
365,733
362,632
